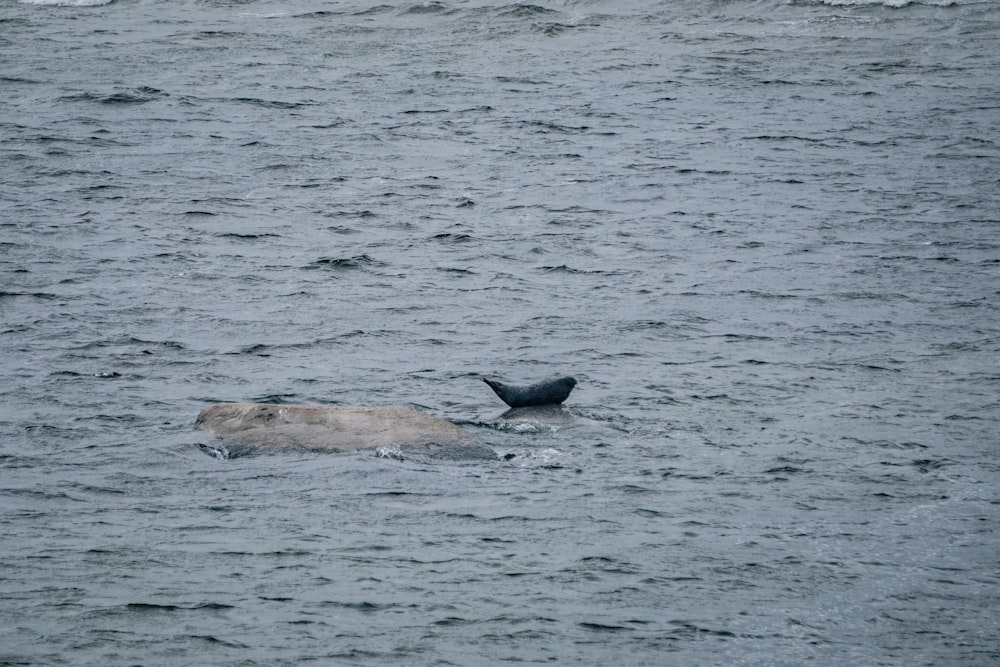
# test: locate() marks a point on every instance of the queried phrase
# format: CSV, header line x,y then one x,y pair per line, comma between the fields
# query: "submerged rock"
x,y
326,427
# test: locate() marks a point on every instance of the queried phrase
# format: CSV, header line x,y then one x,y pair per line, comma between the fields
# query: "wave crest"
x,y
67,3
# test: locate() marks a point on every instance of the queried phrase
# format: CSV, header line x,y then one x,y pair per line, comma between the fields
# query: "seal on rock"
x,y
547,392
326,427
270,426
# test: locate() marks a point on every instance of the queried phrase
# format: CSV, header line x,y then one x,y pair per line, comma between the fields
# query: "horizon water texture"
x,y
762,235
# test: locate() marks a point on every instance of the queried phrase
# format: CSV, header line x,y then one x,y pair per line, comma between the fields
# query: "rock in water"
x,y
326,427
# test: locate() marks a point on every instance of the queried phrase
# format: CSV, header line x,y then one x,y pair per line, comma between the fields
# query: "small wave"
x,y
563,268
455,271
319,14
139,95
707,172
544,458
446,237
68,3
154,607
218,452
519,11
428,8
546,127
377,9
412,112
553,29
784,137
690,629
36,295
215,640
602,627
894,4
17,79
267,15
271,104
356,262
247,237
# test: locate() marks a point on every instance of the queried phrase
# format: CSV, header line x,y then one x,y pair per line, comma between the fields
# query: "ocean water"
x,y
764,236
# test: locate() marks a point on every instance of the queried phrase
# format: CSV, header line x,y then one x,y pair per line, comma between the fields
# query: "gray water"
x,y
763,236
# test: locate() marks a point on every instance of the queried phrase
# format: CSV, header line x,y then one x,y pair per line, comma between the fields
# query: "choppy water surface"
x,y
762,235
